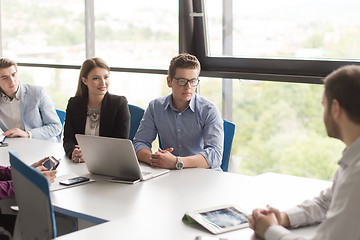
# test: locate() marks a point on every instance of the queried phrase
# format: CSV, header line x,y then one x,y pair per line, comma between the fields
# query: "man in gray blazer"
x,y
25,109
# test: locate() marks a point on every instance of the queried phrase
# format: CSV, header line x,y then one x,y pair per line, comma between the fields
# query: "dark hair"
x,y
88,65
5,63
344,85
183,60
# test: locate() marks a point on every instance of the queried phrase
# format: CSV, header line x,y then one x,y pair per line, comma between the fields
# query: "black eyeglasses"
x,y
183,81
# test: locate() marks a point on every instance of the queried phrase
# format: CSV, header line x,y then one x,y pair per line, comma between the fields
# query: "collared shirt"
x,y
197,129
10,110
336,207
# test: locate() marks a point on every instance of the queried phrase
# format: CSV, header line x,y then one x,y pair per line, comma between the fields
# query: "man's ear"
x,y
336,109
169,81
84,80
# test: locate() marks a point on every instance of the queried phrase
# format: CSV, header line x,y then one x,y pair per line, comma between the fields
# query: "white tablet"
x,y
221,219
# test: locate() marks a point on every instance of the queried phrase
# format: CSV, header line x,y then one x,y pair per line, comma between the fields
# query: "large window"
x,y
60,84
279,125
152,86
279,128
315,29
142,34
267,45
43,31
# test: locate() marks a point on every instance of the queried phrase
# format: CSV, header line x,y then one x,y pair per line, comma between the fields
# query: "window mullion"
x,y
89,28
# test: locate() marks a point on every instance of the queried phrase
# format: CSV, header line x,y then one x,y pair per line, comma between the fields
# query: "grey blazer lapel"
x,y
23,100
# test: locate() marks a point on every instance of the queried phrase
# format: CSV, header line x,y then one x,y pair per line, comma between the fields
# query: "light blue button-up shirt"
x,y
197,129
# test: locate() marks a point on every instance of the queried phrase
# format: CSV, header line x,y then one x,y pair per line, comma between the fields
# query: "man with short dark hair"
x,y
336,208
26,110
190,127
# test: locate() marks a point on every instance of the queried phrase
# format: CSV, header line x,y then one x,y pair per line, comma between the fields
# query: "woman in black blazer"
x,y
93,110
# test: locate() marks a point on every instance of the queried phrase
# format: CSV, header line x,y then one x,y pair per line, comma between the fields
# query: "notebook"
x,y
114,157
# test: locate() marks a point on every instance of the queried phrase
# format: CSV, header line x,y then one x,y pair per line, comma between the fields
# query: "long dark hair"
x,y
88,65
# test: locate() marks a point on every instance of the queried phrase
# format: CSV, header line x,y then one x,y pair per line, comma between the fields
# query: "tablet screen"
x,y
226,217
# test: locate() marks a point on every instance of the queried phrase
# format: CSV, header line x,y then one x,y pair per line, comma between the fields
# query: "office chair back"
x,y
35,219
61,115
136,114
229,131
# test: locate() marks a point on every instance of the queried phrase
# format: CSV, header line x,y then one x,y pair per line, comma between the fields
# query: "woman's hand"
x,y
77,156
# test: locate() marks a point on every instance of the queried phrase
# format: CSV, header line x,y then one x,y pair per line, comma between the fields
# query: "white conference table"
x,y
153,209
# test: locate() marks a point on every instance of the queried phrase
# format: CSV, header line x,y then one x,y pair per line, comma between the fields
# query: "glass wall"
x,y
137,35
300,29
279,128
60,84
143,34
138,88
278,125
43,31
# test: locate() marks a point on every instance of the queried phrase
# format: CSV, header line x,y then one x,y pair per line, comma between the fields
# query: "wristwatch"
x,y
179,163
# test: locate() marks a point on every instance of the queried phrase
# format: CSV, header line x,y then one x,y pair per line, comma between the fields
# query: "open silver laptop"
x,y
114,157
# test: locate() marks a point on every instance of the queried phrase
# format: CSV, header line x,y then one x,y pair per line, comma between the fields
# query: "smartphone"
x,y
125,180
51,163
75,180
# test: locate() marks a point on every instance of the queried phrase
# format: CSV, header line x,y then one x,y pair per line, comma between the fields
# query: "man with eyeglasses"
x,y
190,127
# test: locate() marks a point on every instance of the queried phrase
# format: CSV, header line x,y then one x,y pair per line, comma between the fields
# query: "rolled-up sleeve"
x,y
213,133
